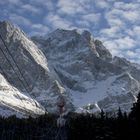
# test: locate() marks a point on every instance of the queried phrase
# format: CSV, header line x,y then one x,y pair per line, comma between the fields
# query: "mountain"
x,y
37,73
27,83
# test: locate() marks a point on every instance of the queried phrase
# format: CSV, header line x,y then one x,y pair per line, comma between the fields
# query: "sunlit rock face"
x,y
63,64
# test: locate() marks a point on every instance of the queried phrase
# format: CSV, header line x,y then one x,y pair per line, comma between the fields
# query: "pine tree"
x,y
102,114
134,118
135,113
120,114
125,116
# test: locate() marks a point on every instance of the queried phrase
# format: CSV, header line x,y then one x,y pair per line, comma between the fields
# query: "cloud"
x,y
125,43
134,32
44,4
102,4
13,2
120,50
30,8
115,22
2,3
74,7
39,29
111,32
83,23
112,46
126,6
121,35
124,11
120,46
20,20
57,21
131,54
16,2
131,15
92,17
69,7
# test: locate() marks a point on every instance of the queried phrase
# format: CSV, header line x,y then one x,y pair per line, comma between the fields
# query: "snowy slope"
x,y
12,101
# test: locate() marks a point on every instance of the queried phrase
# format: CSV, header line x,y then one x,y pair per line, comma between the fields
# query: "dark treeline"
x,y
41,128
78,127
123,126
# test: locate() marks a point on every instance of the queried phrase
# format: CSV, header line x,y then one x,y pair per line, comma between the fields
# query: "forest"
x,y
77,127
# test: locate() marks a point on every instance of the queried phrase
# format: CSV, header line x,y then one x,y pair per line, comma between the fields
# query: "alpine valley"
x,y
36,72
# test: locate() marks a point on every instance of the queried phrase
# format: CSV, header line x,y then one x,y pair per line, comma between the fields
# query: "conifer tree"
x,y
102,114
120,114
135,113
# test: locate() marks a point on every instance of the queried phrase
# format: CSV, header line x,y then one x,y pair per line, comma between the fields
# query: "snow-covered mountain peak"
x,y
64,64
103,51
61,33
87,35
6,25
7,29
88,71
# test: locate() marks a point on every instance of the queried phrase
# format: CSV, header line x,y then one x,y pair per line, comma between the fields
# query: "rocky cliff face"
x,y
94,79
25,67
64,64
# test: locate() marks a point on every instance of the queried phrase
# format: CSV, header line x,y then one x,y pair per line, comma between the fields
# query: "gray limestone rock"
x,y
63,64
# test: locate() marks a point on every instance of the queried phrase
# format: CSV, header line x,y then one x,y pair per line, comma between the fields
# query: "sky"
x,y
115,22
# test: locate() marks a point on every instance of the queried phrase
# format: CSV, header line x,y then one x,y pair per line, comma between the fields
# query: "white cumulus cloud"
x,y
20,20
